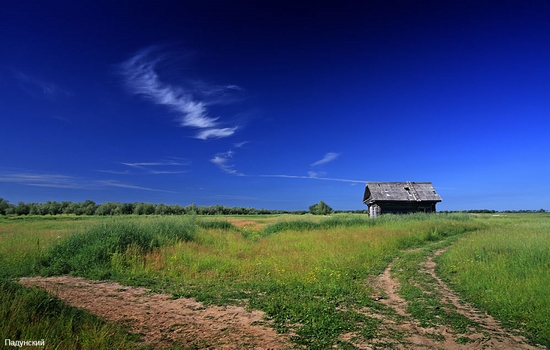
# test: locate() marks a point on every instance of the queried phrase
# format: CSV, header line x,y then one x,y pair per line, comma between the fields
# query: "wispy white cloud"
x,y
329,157
223,161
38,88
114,172
316,173
155,168
215,94
189,103
314,178
215,133
159,167
143,80
43,180
65,181
240,144
114,183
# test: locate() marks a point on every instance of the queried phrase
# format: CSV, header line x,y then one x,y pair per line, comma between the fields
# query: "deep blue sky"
x,y
275,104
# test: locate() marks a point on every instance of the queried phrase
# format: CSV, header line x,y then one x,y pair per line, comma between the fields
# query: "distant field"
x,y
315,277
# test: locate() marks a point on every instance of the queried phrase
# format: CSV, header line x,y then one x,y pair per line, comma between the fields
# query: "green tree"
x,y
22,209
163,209
52,208
124,209
73,208
88,207
177,209
4,206
107,208
141,208
320,208
192,209
35,209
63,206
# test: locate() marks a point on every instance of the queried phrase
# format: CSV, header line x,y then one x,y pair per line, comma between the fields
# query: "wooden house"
x,y
400,197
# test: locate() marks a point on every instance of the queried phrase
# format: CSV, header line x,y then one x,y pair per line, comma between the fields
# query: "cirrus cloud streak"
x,y
140,73
66,181
329,157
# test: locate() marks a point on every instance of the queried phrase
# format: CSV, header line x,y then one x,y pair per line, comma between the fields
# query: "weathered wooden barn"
x,y
400,197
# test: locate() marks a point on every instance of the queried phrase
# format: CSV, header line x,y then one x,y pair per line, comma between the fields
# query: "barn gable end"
x,y
400,197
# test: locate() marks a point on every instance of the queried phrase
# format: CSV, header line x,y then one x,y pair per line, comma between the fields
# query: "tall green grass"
x,y
90,253
506,270
351,220
23,240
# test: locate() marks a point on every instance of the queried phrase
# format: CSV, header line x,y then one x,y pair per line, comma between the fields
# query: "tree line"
x,y
489,211
89,207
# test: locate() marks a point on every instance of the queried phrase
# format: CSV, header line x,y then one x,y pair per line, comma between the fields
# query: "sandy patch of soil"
x,y
247,224
404,332
164,321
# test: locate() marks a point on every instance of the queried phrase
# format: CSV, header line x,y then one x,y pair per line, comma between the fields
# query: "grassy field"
x,y
505,269
303,271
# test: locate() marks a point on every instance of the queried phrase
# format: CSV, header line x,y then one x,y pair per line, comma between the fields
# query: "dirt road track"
x,y
489,335
164,321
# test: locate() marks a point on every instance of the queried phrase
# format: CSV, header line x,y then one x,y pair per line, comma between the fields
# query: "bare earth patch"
x,y
404,332
247,224
164,321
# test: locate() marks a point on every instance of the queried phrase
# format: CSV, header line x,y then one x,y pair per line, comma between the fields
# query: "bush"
x,y
320,208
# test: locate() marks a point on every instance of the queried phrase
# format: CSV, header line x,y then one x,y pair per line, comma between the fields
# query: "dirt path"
x,y
164,321
404,332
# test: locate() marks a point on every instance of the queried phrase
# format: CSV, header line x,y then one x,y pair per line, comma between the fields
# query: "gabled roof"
x,y
400,191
